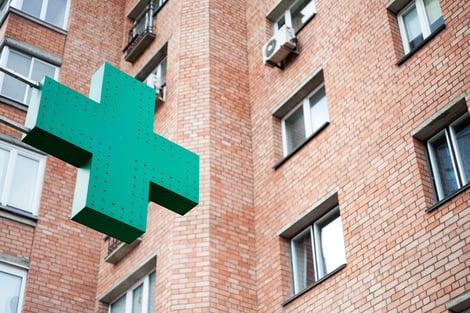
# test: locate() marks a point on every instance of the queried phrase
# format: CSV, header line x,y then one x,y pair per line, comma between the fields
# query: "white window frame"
x,y
457,164
18,4
423,22
288,17
310,129
296,283
20,272
5,54
315,237
145,281
14,151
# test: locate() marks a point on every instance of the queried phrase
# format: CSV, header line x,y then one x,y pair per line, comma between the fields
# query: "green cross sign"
x,y
122,164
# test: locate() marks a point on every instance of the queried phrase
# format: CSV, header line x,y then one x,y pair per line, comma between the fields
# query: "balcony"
x,y
140,35
117,249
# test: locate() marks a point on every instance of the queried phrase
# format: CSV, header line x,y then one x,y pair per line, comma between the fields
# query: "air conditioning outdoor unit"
x,y
279,46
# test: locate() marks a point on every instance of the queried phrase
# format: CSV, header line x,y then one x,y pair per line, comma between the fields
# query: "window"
x,y
12,286
21,176
308,117
4,6
52,11
297,15
153,73
142,15
27,66
157,4
141,33
317,251
143,23
140,298
417,21
316,244
157,79
449,156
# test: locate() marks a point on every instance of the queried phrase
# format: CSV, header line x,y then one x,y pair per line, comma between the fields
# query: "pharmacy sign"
x,y
122,164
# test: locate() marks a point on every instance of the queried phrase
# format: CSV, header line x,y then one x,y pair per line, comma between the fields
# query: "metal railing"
x,y
113,243
143,24
29,82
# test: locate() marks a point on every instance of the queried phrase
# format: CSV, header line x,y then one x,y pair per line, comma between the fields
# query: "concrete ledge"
x,y
459,304
15,261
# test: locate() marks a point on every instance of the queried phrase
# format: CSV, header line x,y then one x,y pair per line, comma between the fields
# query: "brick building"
x,y
334,141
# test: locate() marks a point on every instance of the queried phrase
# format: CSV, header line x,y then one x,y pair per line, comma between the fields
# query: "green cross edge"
x,y
122,164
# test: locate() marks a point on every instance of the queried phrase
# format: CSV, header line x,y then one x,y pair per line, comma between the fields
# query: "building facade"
x,y
334,145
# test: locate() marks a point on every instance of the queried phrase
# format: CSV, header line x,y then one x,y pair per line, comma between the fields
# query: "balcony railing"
x,y
140,35
117,249
113,243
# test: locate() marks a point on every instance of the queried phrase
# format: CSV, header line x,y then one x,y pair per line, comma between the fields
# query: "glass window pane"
x,y
413,29
301,13
462,136
32,7
295,129
318,109
151,302
281,22
10,288
13,88
4,5
434,14
161,77
137,298
4,156
55,13
332,245
302,258
157,4
23,183
141,24
119,306
444,168
39,71
18,62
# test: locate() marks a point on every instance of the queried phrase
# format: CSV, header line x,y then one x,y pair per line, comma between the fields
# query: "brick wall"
x,y
63,256
94,37
399,258
16,238
208,253
226,255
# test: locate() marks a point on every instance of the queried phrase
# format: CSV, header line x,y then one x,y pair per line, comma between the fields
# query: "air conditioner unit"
x,y
279,46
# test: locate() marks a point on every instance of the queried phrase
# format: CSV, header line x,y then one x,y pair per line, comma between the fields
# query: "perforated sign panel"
x,y
122,163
